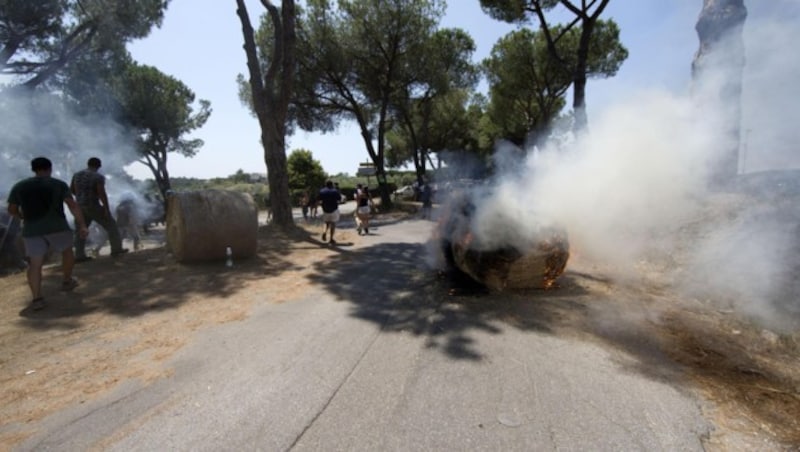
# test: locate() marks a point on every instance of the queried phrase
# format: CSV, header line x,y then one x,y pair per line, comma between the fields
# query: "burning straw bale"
x,y
202,224
531,262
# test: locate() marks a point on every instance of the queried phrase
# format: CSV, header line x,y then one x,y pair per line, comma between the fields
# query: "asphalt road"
x,y
369,358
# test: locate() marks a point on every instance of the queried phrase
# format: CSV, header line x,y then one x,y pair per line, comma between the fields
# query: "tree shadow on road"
x,y
390,284
647,333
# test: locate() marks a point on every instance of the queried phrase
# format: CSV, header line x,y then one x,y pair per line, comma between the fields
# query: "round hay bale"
x,y
202,224
529,262
536,268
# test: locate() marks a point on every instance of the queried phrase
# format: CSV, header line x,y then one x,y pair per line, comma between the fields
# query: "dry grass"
x,y
126,319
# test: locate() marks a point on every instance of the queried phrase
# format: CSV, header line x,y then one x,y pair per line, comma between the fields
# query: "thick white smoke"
x,y
640,168
636,185
770,114
40,124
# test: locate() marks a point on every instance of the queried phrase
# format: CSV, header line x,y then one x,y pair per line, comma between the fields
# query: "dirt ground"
x,y
132,313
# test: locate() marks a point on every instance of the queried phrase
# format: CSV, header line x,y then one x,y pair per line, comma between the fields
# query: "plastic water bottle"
x,y
229,257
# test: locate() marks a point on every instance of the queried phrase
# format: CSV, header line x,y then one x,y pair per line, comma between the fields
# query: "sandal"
x,y
69,285
37,304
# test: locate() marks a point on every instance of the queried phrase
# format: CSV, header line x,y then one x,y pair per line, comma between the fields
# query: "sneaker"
x,y
324,237
69,285
118,252
37,304
80,259
332,242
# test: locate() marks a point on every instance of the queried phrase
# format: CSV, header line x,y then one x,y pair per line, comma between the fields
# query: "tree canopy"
x,y
39,38
451,122
409,85
526,86
443,68
305,172
354,59
596,40
161,111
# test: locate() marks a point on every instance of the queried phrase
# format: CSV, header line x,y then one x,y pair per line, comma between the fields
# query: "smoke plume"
x,y
41,124
635,188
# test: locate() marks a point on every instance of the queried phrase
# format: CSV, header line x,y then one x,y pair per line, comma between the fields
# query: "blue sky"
x,y
200,43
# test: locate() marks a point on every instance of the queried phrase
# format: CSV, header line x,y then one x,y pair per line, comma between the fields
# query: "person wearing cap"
x,y
89,188
39,202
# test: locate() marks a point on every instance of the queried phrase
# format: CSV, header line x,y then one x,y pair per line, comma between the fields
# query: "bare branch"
x,y
275,65
66,53
256,84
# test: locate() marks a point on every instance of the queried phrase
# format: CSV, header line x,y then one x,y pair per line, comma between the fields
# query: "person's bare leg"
x,y
67,263
35,275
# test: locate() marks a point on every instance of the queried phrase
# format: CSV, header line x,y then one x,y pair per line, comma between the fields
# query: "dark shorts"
x,y
40,245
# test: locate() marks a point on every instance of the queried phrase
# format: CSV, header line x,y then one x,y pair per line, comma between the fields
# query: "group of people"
x,y
329,198
309,205
39,202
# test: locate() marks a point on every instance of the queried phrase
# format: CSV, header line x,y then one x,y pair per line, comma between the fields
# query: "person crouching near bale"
x,y
128,222
39,202
329,199
363,210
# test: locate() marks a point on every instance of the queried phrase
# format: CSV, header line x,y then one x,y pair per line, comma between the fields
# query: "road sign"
x,y
365,171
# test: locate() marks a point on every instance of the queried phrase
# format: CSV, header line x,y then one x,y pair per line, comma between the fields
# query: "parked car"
x,y
405,192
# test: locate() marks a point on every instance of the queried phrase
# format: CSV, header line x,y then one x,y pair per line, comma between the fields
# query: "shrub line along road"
x,y
367,358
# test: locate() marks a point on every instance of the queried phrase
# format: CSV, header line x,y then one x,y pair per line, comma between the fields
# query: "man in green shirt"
x,y
39,202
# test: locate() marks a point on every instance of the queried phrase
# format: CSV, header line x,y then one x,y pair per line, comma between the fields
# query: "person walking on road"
x,y
39,202
89,187
329,198
313,204
304,205
363,210
426,196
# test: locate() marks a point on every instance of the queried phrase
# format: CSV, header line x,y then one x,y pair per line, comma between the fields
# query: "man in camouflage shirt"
x,y
89,187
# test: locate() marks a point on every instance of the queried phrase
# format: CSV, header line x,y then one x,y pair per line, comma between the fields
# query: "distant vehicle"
x,y
404,192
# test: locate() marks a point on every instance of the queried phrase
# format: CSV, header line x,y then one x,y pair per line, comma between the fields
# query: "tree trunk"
x,y
588,21
377,158
275,157
418,154
272,92
579,78
579,104
383,186
721,53
157,162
